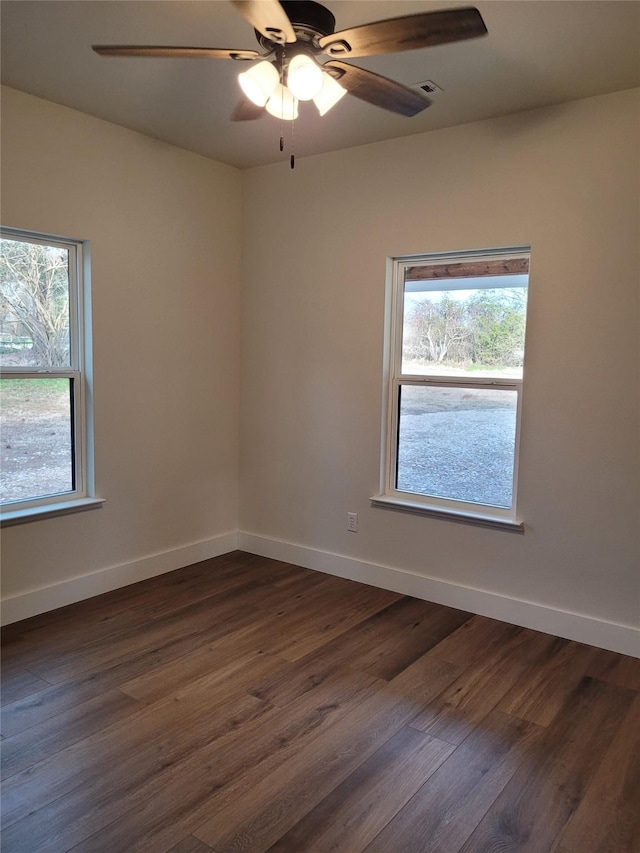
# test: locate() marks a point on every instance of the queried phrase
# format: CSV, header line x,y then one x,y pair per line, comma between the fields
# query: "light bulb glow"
x,y
259,82
304,77
329,95
282,104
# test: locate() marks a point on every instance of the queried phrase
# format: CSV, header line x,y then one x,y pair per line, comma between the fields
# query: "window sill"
x,y
393,503
36,513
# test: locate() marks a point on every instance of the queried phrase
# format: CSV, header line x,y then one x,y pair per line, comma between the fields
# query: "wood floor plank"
x,y
108,774
57,733
158,812
616,669
97,643
226,577
391,639
241,636
475,640
448,807
253,814
355,811
555,668
19,684
69,627
608,817
177,801
223,611
247,704
218,662
231,610
536,804
310,630
141,744
295,679
478,689
190,845
390,656
61,697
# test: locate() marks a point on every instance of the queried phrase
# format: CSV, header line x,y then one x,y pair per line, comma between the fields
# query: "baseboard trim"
x,y
36,601
624,639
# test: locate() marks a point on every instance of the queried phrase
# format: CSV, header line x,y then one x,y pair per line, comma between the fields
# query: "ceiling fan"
x,y
295,34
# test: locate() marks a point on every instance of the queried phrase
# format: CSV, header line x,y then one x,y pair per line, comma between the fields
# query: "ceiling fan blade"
x,y
268,18
377,90
246,110
408,33
173,52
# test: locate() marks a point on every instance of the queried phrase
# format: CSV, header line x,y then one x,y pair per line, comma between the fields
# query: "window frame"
x,y
78,372
395,379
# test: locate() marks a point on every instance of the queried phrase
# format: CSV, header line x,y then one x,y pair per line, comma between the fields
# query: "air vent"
x,y
429,87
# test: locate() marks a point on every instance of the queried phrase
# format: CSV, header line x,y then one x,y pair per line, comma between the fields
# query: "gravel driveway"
x,y
457,443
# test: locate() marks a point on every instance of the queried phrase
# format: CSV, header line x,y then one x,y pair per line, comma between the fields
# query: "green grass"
x,y
475,368
22,385
13,391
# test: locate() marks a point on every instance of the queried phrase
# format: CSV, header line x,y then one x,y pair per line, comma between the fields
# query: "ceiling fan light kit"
x,y
259,82
297,34
304,77
306,81
282,104
329,95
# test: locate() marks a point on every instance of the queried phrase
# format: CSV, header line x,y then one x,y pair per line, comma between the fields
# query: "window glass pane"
x,y
465,329
36,440
457,443
34,305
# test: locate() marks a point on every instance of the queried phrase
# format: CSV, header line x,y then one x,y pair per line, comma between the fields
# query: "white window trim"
x,y
389,496
80,370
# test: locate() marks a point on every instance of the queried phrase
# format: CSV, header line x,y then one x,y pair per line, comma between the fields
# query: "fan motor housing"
x,y
309,20
310,15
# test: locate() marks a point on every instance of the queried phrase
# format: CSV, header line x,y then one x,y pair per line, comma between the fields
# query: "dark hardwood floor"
x,y
244,704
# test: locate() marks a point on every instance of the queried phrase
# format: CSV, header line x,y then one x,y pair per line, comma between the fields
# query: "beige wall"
x,y
563,179
167,234
165,230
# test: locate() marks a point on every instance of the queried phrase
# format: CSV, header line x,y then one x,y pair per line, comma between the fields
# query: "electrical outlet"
x,y
352,522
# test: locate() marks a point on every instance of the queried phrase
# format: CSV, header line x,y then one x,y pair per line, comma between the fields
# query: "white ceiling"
x,y
538,52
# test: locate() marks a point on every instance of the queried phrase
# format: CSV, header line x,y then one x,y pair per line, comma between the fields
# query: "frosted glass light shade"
x,y
304,77
259,82
282,104
329,95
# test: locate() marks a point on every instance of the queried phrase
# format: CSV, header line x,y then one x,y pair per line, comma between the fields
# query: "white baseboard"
x,y
48,598
624,639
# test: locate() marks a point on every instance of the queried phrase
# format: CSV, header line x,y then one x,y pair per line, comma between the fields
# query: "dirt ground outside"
x,y
35,438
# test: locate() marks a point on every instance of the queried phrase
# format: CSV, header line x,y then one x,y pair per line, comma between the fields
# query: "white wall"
x,y
565,180
165,229
167,233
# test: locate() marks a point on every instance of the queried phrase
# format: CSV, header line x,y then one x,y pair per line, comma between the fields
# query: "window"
x,y
455,344
44,422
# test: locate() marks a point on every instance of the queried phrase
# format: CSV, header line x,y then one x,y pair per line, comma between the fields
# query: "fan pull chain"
x,y
292,157
282,101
